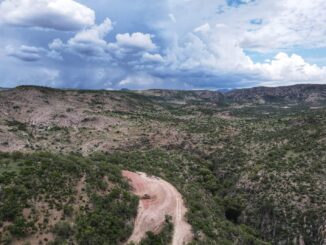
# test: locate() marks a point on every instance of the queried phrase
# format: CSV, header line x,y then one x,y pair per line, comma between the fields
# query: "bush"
x,y
6,238
63,230
68,210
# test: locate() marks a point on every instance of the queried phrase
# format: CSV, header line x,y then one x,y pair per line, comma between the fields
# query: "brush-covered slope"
x,y
306,93
249,173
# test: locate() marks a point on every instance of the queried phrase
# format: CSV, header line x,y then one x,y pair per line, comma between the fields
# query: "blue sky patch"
x,y
236,3
256,21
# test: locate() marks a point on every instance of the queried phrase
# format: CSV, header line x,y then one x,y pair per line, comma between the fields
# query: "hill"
x,y
303,93
249,163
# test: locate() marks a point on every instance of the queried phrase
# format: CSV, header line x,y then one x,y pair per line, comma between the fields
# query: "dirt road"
x,y
158,198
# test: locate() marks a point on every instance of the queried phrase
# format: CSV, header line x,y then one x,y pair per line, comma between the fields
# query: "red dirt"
x,y
164,200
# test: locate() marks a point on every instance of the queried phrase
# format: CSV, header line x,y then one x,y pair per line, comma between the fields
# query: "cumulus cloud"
x,y
56,44
218,48
285,69
25,53
136,40
133,49
225,44
94,34
216,52
63,15
89,42
31,53
157,58
55,55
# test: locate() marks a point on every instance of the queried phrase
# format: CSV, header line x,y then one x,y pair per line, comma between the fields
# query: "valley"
x,y
247,166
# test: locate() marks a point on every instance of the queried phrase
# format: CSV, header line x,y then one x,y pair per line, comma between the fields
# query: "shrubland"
x,y
249,173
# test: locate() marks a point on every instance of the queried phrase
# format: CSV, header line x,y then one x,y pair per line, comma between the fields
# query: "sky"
x,y
168,44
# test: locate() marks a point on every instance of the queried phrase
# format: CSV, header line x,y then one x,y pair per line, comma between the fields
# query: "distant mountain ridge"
x,y
183,96
312,94
302,93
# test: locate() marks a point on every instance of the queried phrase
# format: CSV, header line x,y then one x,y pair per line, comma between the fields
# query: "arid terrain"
x,y
242,167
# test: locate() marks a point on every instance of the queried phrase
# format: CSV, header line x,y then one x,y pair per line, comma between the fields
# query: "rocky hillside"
x,y
310,94
186,97
250,168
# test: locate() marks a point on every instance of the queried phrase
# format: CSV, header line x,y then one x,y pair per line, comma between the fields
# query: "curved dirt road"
x,y
163,199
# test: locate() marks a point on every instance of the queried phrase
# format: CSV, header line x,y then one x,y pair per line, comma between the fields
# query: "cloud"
x,y
25,53
216,52
63,15
141,81
89,42
135,40
134,49
31,75
31,53
213,50
203,28
95,34
285,69
156,58
52,54
217,48
172,18
235,43
292,24
56,44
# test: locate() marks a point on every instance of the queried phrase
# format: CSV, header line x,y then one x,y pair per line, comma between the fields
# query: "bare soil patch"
x,y
158,198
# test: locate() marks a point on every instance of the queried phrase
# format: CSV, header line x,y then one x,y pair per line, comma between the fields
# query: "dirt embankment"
x,y
158,199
